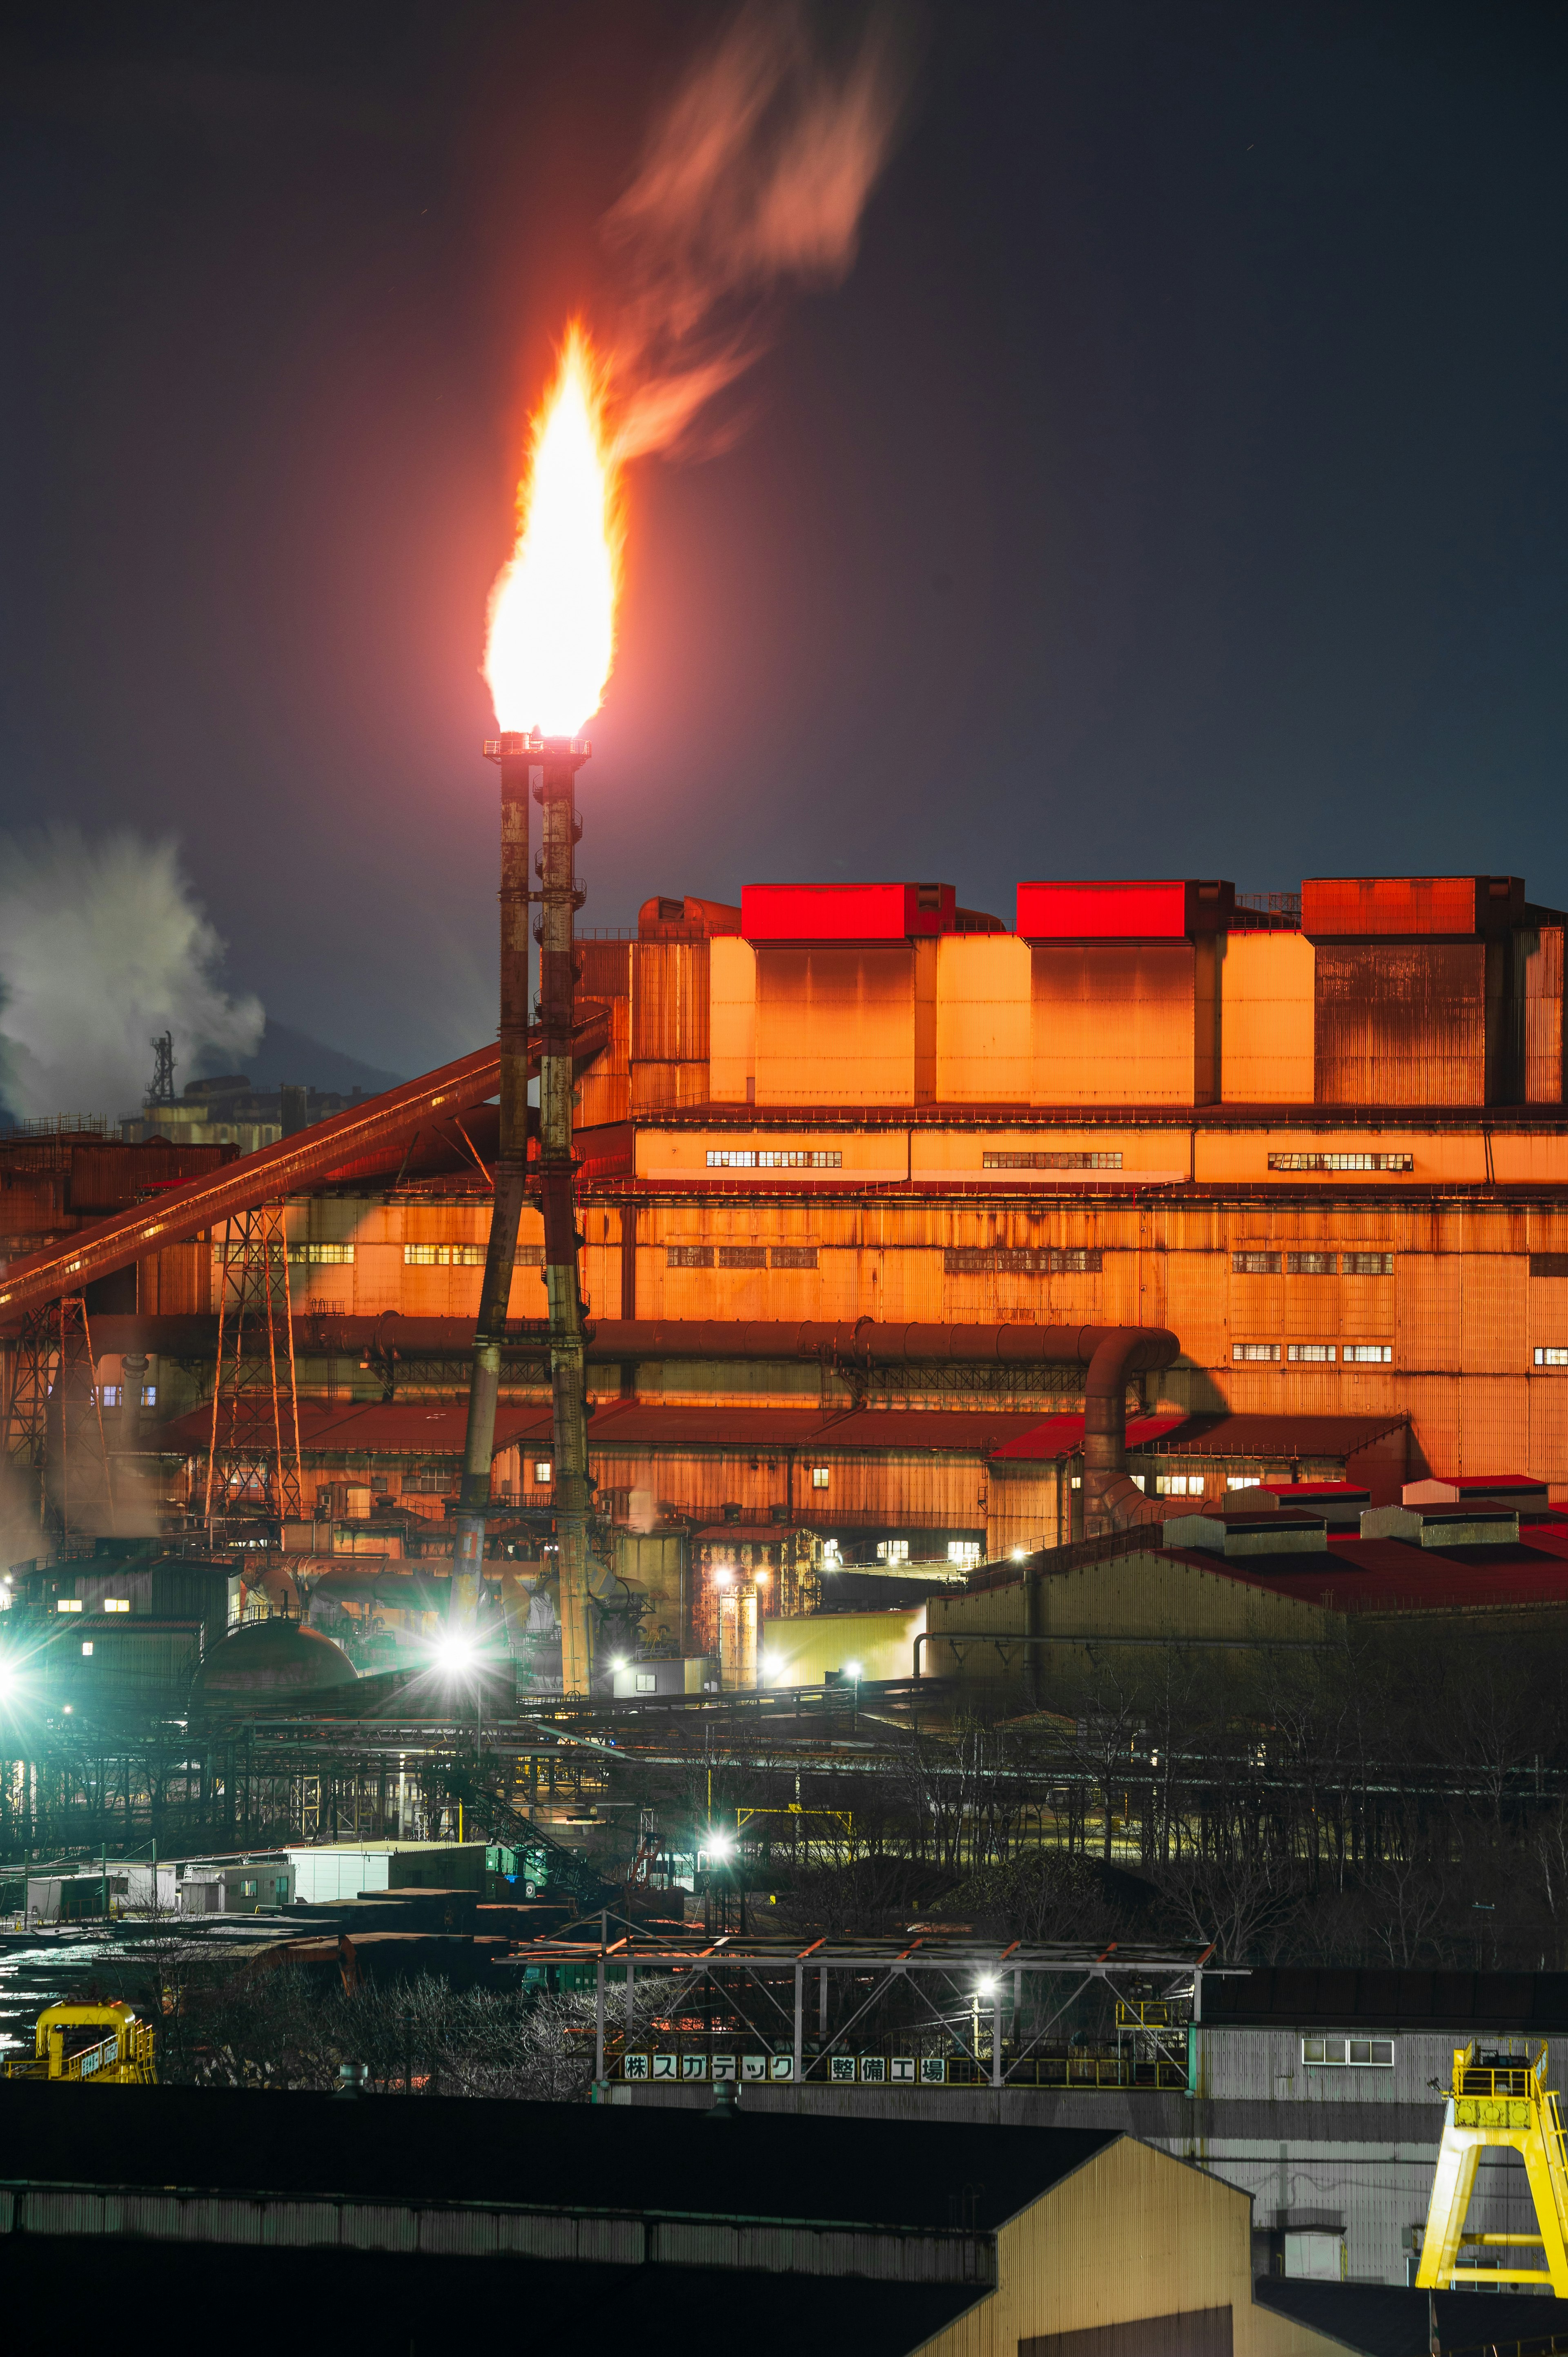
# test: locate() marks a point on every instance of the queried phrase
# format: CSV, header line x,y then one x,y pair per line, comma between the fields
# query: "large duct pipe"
x,y
1111,1500
864,1341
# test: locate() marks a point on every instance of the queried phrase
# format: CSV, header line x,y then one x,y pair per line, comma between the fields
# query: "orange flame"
x,y
551,641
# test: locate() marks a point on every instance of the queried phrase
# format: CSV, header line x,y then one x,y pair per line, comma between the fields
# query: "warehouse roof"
x,y
1499,2004
1384,2320
1357,1575
603,2157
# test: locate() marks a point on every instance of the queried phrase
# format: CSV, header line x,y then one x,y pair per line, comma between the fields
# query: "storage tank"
x,y
275,1660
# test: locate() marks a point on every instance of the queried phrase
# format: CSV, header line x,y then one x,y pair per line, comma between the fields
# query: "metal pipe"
x,y
511,1180
553,777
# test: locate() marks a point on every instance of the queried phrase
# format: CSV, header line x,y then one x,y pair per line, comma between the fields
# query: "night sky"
x,y
1177,484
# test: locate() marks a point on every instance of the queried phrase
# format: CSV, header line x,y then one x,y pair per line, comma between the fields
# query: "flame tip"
x,y
550,640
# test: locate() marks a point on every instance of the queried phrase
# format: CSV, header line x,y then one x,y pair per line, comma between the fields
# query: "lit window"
x,y
68,1604
1554,1354
819,1477
544,1472
443,1255
1178,1485
249,1886
647,1682
1243,1481
110,1395
1341,1162
892,1550
1310,1355
321,1255
743,1256
830,1555
1369,1354
1255,1264
745,1158
116,1603
964,1550
1010,1260
1378,2053
1370,1263
1254,1350
87,1648
1311,1264
1048,1161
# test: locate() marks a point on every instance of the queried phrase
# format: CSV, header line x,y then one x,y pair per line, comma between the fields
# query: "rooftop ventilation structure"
x,y
1444,1526
1250,1532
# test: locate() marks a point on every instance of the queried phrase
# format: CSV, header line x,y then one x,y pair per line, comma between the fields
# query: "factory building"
x,y
958,2242
864,1180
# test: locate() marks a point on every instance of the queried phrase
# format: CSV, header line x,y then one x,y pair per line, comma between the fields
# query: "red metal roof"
x,y
843,912
1062,1435
1348,907
1281,1436
393,1427
980,1432
1359,1575
1148,911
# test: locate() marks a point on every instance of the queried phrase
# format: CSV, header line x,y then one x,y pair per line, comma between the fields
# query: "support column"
x,y
511,1180
555,773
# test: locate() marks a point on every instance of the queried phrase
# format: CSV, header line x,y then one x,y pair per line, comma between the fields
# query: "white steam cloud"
x,y
755,175
103,946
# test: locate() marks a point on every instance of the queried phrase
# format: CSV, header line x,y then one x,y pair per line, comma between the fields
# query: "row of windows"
x,y
1377,2051
1002,1260
1312,1263
740,1256
107,1604
320,1256
744,1158
1341,1162
1553,1354
1319,1354
1063,1161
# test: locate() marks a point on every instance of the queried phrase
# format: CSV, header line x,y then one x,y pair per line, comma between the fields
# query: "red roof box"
x,y
1350,908
1467,1488
846,912
1156,910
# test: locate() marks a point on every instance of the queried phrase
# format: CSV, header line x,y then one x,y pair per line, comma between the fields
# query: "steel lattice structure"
x,y
253,1463
54,1418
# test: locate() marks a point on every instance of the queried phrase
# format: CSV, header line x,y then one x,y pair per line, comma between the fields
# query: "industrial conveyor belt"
x,y
347,1145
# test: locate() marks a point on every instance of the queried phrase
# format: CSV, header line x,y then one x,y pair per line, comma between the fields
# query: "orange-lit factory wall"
x,y
1345,1138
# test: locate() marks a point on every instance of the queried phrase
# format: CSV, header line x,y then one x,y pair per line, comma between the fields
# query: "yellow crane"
x,y
121,2059
1498,2102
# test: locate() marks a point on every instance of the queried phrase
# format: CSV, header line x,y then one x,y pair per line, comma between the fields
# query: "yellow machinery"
x,y
123,2058
1497,2100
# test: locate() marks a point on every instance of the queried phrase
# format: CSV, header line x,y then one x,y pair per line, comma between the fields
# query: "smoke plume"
x,y
754,177
103,946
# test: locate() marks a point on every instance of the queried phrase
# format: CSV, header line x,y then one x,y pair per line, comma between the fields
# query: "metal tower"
x,y
1498,2100
160,1088
253,1464
54,1418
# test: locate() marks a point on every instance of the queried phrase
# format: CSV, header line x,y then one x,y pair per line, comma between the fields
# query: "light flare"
x,y
550,645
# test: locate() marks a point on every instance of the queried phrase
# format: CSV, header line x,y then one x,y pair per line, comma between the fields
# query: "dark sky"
x,y
1178,484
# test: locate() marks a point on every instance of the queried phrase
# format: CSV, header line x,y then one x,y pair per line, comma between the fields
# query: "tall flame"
x,y
551,641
